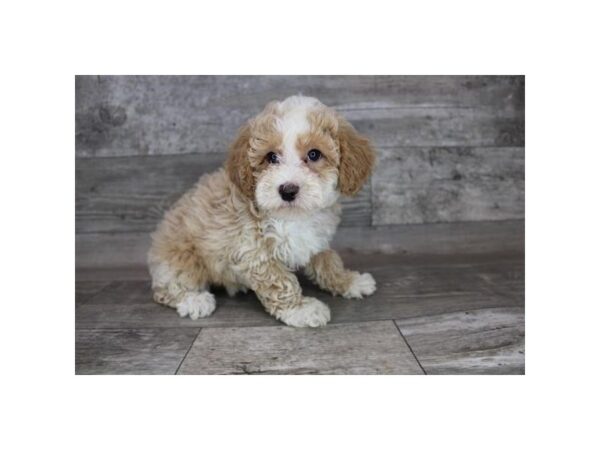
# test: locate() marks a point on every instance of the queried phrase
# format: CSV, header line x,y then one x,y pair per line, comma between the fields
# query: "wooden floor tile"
x,y
357,348
139,351
488,341
459,314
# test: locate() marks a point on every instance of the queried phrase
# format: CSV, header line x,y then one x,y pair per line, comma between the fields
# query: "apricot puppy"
x,y
270,211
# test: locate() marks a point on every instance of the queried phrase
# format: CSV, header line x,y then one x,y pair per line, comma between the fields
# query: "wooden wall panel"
x,y
131,194
131,115
451,148
425,185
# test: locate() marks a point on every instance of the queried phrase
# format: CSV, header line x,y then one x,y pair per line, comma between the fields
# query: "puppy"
x,y
270,211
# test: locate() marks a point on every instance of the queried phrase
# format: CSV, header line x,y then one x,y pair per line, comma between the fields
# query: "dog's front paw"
x,y
311,313
362,284
197,304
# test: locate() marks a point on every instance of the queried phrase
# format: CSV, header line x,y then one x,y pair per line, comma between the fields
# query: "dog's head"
x,y
298,155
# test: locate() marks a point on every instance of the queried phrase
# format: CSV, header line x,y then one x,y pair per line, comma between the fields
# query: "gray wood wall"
x,y
450,148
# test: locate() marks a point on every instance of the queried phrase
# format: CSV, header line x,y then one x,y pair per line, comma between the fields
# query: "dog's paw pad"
x,y
196,305
311,313
362,284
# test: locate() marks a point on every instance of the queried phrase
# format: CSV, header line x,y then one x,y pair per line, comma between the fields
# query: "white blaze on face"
x,y
291,167
291,126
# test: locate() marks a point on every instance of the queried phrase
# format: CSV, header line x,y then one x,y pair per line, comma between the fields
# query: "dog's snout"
x,y
288,191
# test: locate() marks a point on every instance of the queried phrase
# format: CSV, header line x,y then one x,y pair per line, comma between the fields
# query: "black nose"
x,y
288,191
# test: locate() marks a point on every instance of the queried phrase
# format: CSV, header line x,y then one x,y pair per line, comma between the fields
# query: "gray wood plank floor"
x,y
355,348
433,314
480,341
136,351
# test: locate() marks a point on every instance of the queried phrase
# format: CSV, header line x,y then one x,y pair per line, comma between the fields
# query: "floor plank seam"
x,y
188,350
409,347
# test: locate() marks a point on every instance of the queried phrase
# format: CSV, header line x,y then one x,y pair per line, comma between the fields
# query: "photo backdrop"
x,y
450,154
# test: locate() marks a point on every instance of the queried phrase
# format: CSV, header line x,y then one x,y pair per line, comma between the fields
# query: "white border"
x,y
46,43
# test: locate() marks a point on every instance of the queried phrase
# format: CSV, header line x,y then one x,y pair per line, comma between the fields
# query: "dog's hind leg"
x,y
185,292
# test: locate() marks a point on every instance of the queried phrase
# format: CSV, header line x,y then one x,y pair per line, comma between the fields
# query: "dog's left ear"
x,y
357,158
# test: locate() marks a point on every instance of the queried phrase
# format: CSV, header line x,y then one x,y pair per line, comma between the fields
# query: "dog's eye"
x,y
272,158
314,154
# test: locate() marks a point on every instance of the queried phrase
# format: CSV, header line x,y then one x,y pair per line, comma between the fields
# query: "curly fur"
x,y
234,229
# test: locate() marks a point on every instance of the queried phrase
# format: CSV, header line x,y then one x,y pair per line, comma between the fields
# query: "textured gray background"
x,y
450,151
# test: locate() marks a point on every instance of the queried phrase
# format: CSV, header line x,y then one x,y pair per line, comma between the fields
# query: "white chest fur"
x,y
299,238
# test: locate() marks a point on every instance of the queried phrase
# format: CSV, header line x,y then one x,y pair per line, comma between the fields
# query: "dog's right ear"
x,y
238,165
